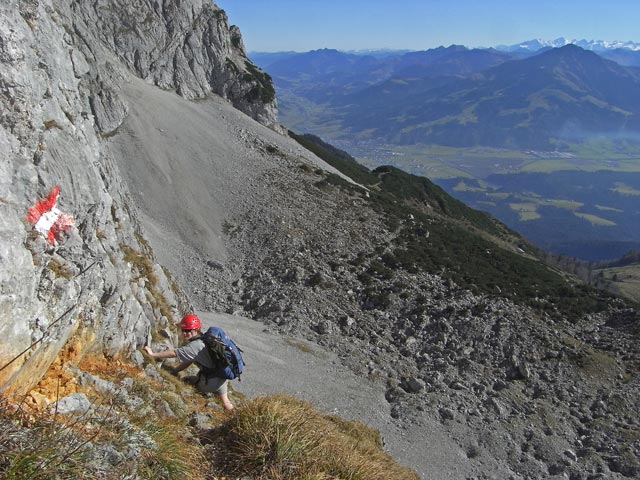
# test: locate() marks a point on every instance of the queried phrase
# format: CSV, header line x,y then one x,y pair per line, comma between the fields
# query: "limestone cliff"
x,y
186,46
61,67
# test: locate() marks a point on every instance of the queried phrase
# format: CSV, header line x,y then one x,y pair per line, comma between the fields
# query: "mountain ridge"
x,y
531,45
447,99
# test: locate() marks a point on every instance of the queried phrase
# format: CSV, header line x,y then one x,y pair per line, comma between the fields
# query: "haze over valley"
x,y
500,128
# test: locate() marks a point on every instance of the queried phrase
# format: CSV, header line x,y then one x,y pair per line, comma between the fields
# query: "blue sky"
x,y
302,25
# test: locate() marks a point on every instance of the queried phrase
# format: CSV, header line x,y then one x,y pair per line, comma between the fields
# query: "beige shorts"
x,y
212,385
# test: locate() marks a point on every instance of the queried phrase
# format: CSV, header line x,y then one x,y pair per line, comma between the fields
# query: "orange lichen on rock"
x,y
108,367
59,381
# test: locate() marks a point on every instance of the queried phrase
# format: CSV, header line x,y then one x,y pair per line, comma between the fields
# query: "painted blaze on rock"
x,y
47,219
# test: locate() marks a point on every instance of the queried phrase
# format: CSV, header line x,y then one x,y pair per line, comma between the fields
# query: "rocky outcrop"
x,y
186,46
61,67
87,284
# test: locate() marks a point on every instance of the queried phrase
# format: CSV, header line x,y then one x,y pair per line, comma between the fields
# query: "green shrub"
x,y
439,234
336,158
263,90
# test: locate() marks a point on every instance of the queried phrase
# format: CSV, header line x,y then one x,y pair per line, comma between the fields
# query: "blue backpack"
x,y
224,353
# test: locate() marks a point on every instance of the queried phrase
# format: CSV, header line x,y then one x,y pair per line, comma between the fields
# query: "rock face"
x,y
186,46
61,67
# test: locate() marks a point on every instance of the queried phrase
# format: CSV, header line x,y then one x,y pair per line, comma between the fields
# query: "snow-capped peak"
x,y
597,45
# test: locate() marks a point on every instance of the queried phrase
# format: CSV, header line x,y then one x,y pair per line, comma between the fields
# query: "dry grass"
x,y
59,269
300,345
49,446
37,443
45,447
49,124
177,454
275,438
142,263
283,438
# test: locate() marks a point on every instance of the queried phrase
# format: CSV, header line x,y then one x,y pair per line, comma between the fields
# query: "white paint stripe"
x,y
46,221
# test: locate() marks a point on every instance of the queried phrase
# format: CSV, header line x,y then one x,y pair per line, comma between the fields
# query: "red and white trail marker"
x,y
47,219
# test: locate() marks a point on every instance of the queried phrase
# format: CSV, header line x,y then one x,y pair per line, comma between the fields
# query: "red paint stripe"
x,y
62,224
42,205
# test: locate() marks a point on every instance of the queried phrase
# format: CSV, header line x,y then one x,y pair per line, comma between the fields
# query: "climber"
x,y
195,352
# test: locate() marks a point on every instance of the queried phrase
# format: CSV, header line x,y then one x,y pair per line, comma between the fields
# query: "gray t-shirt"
x,y
194,351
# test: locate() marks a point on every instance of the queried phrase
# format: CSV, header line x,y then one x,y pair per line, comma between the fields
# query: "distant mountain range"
x,y
596,45
603,47
460,97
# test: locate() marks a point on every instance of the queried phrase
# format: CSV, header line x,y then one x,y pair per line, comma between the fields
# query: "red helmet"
x,y
190,322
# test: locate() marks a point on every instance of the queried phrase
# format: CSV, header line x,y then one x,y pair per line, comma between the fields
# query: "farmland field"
x,y
583,203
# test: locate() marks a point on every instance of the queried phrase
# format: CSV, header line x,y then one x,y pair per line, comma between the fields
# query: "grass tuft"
x,y
59,269
284,438
43,447
176,455
49,124
142,262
